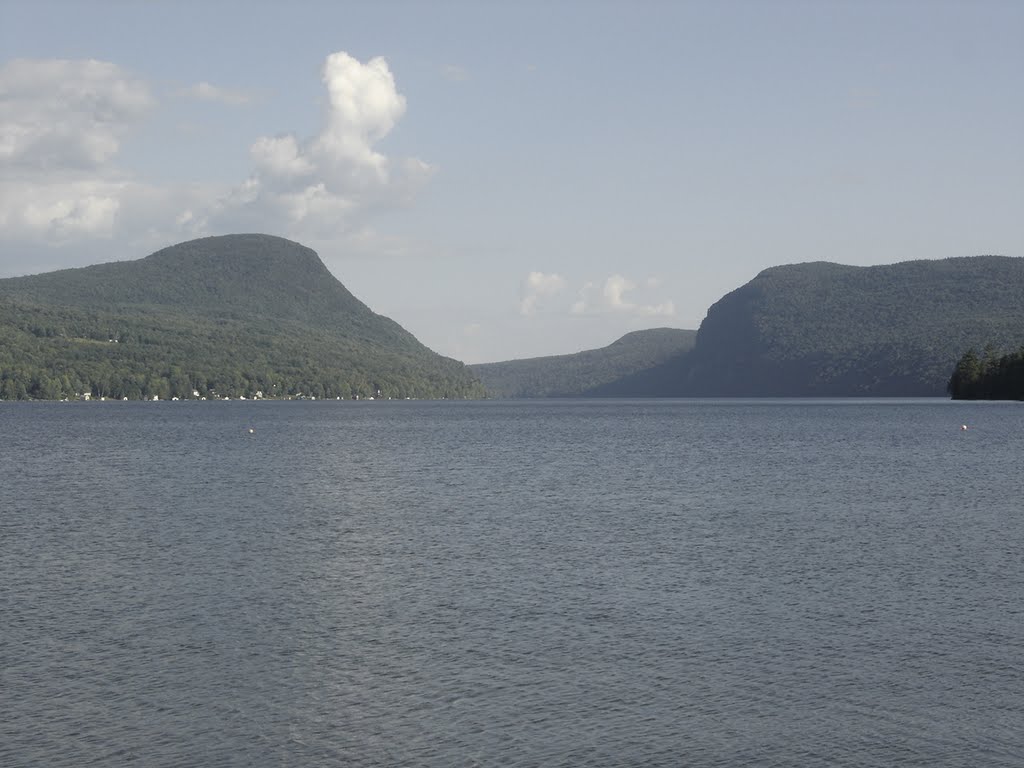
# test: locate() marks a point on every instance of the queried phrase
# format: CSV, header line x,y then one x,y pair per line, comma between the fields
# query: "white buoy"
x,y
251,430
963,427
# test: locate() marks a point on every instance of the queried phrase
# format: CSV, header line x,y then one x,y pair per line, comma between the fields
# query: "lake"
x,y
557,583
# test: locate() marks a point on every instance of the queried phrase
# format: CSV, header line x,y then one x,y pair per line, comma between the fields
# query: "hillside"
x,y
827,329
226,315
588,373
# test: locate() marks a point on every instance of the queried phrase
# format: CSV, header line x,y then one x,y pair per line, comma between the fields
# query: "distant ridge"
x,y
808,330
226,315
593,372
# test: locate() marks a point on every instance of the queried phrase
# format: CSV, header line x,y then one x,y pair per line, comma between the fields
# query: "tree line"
x,y
988,376
54,354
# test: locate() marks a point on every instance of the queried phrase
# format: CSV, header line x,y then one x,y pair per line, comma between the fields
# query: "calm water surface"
x,y
701,583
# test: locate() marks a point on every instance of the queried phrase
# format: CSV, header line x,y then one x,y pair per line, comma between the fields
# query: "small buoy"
x,y
251,430
963,427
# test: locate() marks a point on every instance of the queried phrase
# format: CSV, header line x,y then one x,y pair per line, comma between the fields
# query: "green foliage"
x,y
828,329
222,316
989,377
592,372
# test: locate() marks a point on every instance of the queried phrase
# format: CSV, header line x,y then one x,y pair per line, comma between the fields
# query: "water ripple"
x,y
558,584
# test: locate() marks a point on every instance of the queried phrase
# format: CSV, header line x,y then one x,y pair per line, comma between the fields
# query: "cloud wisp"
x,y
537,289
454,73
232,97
612,298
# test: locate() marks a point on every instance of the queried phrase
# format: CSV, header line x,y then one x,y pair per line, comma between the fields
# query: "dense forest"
x,y
833,330
802,330
988,376
587,373
242,315
218,317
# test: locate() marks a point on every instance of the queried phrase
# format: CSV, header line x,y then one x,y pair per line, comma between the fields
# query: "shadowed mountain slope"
x,y
593,372
828,329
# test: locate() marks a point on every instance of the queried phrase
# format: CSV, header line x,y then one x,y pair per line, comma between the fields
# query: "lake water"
x,y
556,583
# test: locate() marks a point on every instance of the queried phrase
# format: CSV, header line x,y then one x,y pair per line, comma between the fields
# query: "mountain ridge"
x,y
821,328
237,312
263,307
587,373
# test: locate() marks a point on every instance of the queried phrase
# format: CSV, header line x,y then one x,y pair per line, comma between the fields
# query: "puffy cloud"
x,y
60,212
536,288
59,113
280,157
326,183
62,124
614,288
612,298
71,210
364,106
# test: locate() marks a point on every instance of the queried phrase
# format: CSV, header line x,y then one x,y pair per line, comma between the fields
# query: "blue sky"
x,y
516,179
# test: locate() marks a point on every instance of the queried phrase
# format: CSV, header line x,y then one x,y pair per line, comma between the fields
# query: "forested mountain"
x,y
827,329
237,314
228,315
801,330
588,373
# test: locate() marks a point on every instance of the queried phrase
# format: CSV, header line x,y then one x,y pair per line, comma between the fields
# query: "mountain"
x,y
227,315
828,329
804,330
594,372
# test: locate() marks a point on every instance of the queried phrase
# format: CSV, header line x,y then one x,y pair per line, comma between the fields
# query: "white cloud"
x,y
61,212
536,288
62,124
665,309
363,108
109,218
59,113
327,183
232,97
614,288
280,157
612,298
